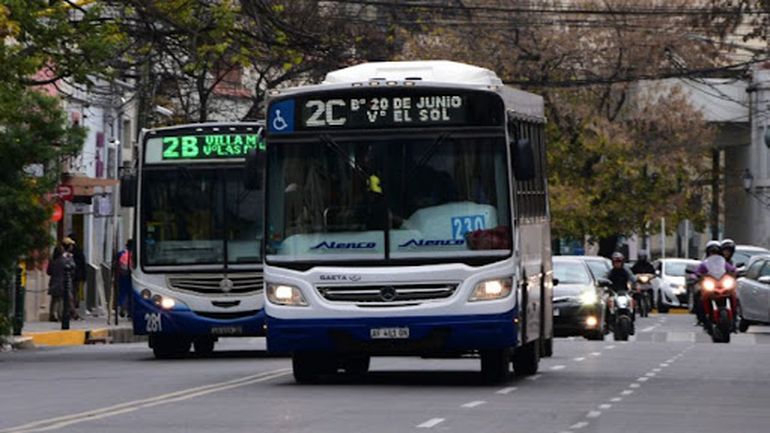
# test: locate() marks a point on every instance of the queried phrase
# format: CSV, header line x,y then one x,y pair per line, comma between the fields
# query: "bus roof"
x,y
209,125
437,71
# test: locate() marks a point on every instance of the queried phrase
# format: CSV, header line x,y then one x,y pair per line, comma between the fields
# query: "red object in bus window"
x,y
498,238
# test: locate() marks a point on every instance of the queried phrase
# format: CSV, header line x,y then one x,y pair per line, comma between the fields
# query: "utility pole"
x,y
715,153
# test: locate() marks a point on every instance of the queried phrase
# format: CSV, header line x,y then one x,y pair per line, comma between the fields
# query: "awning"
x,y
88,186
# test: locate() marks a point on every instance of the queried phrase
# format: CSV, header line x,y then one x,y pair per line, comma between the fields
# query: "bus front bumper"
x,y
149,319
427,335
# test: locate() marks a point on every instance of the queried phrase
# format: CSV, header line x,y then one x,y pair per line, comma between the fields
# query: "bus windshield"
x,y
378,198
194,215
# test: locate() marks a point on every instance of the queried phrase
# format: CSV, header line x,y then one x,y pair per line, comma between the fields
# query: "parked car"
x,y
754,293
578,299
670,288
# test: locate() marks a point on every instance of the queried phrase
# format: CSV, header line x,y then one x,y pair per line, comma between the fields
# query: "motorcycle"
x,y
643,293
621,314
718,299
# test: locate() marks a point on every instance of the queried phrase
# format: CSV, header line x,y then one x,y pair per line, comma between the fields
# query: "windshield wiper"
x,y
331,144
427,155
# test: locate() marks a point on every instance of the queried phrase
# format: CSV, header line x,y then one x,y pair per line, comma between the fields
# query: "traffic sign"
x,y
65,192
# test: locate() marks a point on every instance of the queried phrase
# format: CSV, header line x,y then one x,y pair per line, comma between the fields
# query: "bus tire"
x,y
169,347
526,359
495,365
204,346
309,367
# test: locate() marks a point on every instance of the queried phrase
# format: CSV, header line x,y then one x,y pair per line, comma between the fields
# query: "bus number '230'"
x,y
153,322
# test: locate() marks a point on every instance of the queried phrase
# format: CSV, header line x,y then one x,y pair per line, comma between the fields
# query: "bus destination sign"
x,y
213,146
387,108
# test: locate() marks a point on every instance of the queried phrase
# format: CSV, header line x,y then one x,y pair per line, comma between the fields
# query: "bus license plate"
x,y
555,311
226,330
387,333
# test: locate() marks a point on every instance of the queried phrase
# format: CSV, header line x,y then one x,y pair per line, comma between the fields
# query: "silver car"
x,y
670,288
754,293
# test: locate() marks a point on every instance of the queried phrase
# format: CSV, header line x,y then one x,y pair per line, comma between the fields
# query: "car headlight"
x,y
165,302
284,294
589,297
492,289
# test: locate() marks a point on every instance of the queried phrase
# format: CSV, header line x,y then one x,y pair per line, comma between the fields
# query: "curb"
x,y
78,337
22,343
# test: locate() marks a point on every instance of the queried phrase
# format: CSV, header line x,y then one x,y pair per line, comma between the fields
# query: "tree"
x,y
40,43
607,132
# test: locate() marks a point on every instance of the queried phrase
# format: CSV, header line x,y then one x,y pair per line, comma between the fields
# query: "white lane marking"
x,y
610,347
634,385
605,406
579,359
650,374
596,354
670,361
535,377
578,425
474,403
118,409
508,390
648,329
643,379
656,370
433,422
557,367
627,392
616,399
594,414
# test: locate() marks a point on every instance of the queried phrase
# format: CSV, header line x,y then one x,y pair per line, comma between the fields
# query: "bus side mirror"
x,y
523,160
254,170
128,190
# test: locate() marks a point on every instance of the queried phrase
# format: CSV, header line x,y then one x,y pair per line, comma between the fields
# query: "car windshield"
x,y
598,269
440,196
675,269
572,272
191,215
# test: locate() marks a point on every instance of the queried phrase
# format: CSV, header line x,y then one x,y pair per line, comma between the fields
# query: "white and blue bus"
x,y
197,268
407,214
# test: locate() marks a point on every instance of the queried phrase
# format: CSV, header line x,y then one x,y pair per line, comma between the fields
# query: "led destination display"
x,y
212,146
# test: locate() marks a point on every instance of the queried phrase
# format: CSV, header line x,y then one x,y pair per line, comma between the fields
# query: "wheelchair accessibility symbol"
x,y
281,118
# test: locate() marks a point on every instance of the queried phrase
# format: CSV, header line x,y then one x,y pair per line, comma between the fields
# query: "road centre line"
x,y
594,414
578,425
634,385
605,406
648,329
579,359
535,377
558,367
627,392
643,379
130,406
474,403
596,353
508,390
616,399
431,423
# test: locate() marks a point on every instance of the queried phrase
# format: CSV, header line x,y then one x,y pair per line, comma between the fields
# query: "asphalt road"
x,y
669,379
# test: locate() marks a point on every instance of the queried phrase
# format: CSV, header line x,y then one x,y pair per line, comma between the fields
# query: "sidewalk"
x,y
90,330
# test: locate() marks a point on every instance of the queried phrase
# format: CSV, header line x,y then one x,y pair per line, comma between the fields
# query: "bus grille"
x,y
240,284
387,295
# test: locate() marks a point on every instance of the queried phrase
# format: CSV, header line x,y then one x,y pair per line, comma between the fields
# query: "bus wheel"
x,y
356,366
204,346
169,347
309,367
526,359
495,365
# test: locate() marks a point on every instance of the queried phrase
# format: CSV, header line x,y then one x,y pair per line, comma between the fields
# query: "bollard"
x,y
18,310
65,315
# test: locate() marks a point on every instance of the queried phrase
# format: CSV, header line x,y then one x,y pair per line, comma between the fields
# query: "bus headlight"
x,y
283,294
589,297
165,302
492,289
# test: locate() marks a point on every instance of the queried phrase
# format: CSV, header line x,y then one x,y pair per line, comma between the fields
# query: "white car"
x,y
754,293
670,288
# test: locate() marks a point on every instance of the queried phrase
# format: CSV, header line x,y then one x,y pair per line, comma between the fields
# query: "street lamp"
x,y
748,180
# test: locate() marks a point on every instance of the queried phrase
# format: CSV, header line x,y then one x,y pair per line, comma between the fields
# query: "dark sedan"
x,y
578,302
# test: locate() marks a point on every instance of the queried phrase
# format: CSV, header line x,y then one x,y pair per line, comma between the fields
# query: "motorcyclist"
x,y
620,277
728,250
712,248
642,266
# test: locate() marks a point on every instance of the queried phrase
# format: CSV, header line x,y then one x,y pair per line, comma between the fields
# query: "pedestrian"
x,y
124,263
80,268
57,284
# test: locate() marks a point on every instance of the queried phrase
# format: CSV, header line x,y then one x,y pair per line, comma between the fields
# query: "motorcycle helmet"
x,y
617,257
728,244
713,247
642,256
